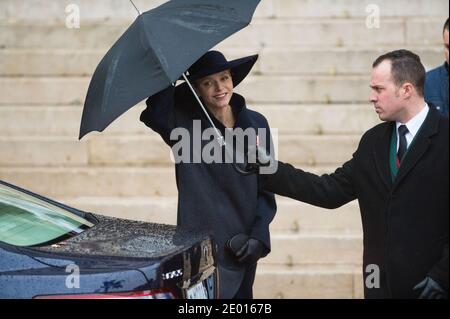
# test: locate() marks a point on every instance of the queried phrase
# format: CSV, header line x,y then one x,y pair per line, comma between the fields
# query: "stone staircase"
x,y
311,82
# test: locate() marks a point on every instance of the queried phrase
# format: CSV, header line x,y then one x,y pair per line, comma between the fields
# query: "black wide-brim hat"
x,y
214,62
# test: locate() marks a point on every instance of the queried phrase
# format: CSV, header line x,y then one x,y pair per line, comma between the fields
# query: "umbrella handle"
x,y
247,170
220,138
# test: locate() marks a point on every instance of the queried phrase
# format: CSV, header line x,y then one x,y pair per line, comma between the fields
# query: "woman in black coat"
x,y
214,196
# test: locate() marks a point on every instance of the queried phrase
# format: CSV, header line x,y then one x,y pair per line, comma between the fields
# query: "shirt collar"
x,y
416,122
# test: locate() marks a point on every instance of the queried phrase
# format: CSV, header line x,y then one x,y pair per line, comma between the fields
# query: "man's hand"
x,y
430,289
250,252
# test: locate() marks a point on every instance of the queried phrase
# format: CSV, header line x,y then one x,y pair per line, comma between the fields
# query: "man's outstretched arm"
x,y
328,191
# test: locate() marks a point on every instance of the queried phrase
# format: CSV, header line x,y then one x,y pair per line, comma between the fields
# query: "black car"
x,y
50,250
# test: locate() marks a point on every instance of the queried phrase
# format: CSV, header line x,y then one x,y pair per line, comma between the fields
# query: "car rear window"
x,y
29,221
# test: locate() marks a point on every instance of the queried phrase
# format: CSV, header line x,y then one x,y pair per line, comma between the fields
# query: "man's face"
x,y
216,89
385,95
446,44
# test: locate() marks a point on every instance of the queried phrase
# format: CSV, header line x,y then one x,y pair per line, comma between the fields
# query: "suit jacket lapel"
x,y
419,146
381,155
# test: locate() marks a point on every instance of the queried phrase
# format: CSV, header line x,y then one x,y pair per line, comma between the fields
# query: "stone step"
x,y
358,8
314,282
257,89
294,61
46,11
34,62
151,150
43,90
42,151
51,11
317,150
292,217
426,31
83,181
101,181
45,121
306,89
63,120
332,33
322,119
261,33
294,249
273,61
326,119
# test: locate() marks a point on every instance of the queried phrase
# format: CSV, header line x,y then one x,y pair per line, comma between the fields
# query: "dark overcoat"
x,y
214,196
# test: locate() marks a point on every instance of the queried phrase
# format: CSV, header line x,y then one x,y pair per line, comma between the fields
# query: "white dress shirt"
x,y
413,126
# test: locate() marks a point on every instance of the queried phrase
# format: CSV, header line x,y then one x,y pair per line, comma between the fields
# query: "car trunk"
x,y
167,255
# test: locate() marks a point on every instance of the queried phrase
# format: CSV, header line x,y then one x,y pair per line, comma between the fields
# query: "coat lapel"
x,y
381,155
420,145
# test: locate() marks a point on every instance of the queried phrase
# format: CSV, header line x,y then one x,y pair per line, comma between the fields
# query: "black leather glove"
x,y
252,250
257,156
430,289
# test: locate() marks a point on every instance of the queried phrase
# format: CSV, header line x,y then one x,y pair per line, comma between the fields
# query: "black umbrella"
x,y
155,51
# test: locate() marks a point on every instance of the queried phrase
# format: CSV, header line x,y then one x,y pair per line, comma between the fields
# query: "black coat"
x,y
405,222
214,196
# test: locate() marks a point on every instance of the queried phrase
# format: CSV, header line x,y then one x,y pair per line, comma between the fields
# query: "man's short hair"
x,y
405,67
446,25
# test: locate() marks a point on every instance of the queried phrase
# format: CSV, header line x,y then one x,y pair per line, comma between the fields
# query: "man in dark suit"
x,y
400,176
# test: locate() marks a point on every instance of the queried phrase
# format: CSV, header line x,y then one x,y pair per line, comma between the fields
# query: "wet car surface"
x,y
103,257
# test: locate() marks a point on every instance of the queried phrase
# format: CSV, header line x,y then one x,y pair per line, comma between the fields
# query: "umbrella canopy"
x,y
155,51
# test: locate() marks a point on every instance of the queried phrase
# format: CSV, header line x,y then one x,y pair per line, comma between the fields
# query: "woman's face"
x,y
216,89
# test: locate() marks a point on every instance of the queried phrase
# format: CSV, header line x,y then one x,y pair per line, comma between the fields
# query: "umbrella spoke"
x,y
138,11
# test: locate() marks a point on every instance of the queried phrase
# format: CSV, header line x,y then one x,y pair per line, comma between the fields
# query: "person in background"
x,y
436,84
